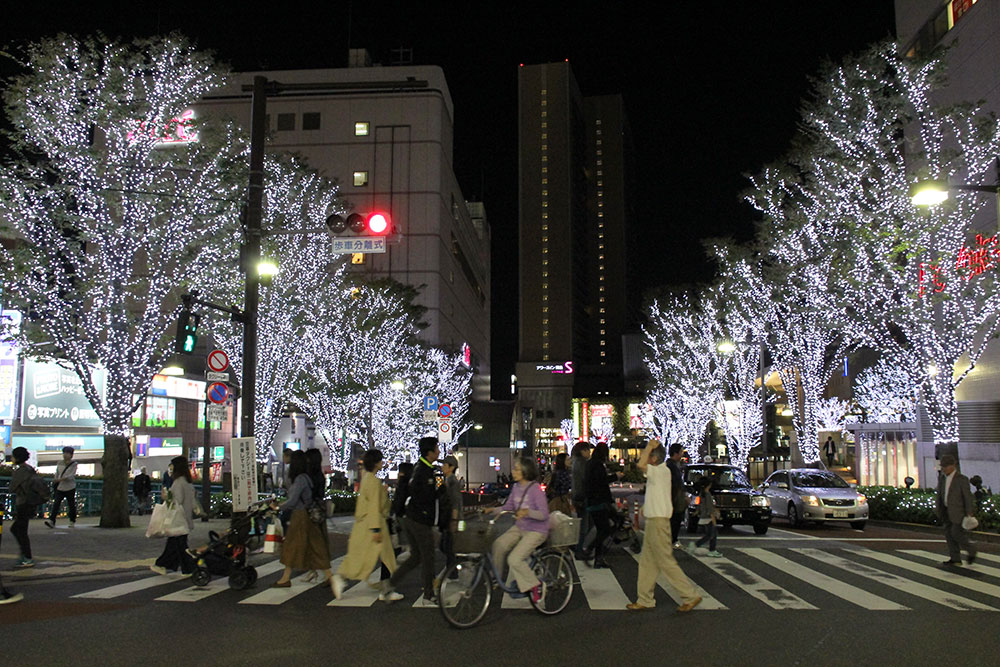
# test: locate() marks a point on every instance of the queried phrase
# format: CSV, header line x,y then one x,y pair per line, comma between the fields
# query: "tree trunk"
x,y
114,504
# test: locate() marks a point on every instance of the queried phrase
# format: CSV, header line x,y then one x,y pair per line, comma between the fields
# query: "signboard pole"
x,y
206,467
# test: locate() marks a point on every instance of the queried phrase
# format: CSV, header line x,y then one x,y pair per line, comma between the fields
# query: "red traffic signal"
x,y
374,224
378,223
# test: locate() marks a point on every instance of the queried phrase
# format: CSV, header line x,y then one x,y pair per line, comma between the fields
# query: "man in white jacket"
x,y
65,481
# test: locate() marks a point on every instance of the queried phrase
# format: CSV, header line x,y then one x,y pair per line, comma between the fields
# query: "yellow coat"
x,y
370,513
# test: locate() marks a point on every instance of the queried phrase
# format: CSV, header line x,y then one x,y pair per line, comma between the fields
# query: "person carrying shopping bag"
x,y
181,496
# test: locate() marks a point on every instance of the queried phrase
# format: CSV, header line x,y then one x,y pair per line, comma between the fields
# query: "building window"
x,y
310,121
286,122
545,135
545,193
544,102
598,121
360,178
361,129
545,181
544,114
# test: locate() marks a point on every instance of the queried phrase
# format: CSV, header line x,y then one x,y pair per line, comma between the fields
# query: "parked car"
x,y
735,498
804,494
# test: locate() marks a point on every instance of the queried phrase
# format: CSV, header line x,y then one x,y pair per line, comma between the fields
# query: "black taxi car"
x,y
738,502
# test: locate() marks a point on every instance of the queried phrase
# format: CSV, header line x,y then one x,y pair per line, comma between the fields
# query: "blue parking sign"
x,y
431,403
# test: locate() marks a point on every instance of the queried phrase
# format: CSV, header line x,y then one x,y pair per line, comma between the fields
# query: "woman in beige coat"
x,y
370,540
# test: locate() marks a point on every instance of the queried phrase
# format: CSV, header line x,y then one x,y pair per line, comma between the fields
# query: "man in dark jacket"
x,y
955,503
418,524
679,495
25,504
579,456
141,486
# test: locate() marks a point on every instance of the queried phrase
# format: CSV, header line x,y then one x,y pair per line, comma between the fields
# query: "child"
x,y
707,515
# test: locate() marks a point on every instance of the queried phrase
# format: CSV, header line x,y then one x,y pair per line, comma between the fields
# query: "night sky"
x,y
712,90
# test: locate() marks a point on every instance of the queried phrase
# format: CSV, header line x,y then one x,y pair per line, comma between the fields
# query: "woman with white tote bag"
x,y
182,496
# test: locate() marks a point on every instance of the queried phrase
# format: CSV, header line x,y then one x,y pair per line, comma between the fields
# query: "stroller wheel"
x,y
252,575
201,576
239,579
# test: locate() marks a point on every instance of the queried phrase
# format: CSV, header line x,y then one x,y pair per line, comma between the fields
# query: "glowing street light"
x,y
726,347
929,193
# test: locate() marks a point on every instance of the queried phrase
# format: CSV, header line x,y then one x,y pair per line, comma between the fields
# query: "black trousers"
x,y
675,525
175,555
421,540
447,547
57,499
602,521
22,515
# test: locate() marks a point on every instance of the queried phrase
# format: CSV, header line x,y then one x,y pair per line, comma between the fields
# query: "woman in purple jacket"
x,y
527,501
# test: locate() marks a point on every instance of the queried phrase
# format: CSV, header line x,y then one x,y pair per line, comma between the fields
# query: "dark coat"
x,y
422,496
597,483
960,501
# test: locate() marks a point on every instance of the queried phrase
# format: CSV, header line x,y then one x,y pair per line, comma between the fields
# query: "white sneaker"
x,y
678,545
390,596
338,586
157,569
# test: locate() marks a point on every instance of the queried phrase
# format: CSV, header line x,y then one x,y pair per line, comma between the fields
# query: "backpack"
x,y
37,491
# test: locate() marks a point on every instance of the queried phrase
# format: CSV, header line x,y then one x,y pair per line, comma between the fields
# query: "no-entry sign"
x,y
218,361
218,393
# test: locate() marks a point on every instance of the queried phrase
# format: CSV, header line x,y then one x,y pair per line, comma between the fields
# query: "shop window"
x,y
360,178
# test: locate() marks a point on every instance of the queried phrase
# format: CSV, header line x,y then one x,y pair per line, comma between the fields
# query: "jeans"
x,y
602,521
421,539
70,497
711,532
585,525
829,459
22,515
447,548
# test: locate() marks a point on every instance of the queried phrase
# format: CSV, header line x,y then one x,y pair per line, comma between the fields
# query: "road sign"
x,y
348,245
213,376
217,413
444,430
430,408
218,393
444,411
243,455
218,361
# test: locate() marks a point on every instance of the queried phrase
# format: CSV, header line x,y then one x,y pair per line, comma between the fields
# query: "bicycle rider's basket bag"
x,y
564,531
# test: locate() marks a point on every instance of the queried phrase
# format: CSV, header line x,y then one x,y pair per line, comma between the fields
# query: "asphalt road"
x,y
809,596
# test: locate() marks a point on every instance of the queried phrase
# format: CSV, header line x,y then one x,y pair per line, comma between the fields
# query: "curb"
x,y
976,535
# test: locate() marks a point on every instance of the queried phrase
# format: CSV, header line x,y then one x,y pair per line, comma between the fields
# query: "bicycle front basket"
x,y
564,533
476,538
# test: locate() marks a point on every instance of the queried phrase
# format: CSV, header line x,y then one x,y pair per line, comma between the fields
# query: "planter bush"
x,y
889,503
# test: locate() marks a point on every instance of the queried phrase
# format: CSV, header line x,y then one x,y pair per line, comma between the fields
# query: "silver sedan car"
x,y
805,494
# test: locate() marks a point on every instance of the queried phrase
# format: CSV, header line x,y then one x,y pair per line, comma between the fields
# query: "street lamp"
x,y
397,385
173,367
932,192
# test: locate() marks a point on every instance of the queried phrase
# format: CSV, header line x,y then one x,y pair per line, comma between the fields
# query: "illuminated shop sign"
x,y
564,367
8,364
53,396
178,130
467,356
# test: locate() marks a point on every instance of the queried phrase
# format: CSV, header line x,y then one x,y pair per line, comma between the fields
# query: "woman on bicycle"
x,y
527,501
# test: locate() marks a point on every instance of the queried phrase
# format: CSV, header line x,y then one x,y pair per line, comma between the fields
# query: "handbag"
x,y
316,508
970,523
155,527
167,520
273,538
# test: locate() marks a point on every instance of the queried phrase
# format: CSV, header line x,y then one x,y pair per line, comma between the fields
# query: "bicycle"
x,y
466,590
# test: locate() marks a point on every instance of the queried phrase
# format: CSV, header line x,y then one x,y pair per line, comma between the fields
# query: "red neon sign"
x,y
969,262
177,130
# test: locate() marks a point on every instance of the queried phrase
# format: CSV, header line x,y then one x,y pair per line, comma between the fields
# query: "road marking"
x,y
276,596
933,572
844,591
602,589
119,590
793,534
975,567
362,594
995,559
749,582
708,603
216,585
897,582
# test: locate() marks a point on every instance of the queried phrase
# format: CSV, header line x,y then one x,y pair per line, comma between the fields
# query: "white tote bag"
x,y
155,527
175,523
970,523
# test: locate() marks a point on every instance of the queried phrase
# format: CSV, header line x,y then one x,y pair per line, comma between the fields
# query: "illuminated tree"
x,y
116,196
885,393
831,413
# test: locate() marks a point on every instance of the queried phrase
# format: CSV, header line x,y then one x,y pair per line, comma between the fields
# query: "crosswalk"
x,y
743,579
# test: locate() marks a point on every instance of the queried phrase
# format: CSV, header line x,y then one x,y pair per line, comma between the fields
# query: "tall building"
x,y
573,153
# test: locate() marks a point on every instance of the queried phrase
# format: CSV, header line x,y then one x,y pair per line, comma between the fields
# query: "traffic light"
x,y
187,332
375,223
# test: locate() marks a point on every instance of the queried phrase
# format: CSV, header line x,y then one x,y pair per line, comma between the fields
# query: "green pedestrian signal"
x,y
187,332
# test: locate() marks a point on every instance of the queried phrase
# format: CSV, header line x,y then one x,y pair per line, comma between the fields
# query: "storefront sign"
x,y
243,453
53,396
55,443
565,367
177,130
10,324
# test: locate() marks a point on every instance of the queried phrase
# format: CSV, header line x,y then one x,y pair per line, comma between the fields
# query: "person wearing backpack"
x,y
30,491
65,481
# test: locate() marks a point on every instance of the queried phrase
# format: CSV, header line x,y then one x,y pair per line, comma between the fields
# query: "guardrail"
x,y
89,496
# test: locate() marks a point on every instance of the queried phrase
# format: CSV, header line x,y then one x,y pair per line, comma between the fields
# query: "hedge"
x,y
890,503
343,502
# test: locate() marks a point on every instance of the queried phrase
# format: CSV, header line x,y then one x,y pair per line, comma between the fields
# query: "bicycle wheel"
x,y
465,593
556,573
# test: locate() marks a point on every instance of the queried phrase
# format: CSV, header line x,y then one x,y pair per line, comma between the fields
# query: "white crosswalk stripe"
x,y
845,591
749,582
708,603
216,585
362,594
934,572
300,584
976,567
133,586
992,557
602,589
897,582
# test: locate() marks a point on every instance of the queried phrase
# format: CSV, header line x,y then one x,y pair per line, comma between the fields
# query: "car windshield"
x,y
722,478
819,480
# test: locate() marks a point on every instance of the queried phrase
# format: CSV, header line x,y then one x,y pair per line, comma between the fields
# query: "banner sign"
x,y
243,454
53,396
10,323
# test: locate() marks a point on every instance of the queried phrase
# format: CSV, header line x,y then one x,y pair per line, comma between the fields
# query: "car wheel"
x,y
793,515
760,528
858,525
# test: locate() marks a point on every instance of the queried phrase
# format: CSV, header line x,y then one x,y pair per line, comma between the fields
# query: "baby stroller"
x,y
226,554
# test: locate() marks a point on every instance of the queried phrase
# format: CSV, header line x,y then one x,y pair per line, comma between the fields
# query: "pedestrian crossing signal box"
x,y
187,332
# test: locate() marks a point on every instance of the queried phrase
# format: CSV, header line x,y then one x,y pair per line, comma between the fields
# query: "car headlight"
x,y
811,500
759,501
862,500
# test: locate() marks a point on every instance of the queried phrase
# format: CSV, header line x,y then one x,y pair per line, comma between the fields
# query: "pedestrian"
x,y
141,486
449,521
954,505
65,481
560,489
27,489
306,544
168,480
531,527
579,456
418,524
370,541
707,516
599,500
657,553
678,495
980,494
830,449
175,554
314,469
284,482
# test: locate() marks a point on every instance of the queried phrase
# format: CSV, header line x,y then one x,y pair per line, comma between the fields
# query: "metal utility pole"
x,y
251,251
